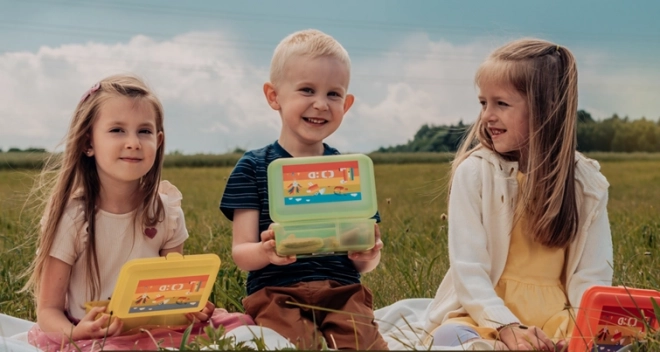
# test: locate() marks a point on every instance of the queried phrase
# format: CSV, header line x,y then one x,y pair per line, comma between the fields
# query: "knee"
x,y
453,335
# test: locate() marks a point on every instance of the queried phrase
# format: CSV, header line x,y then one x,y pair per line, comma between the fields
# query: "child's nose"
x,y
133,142
321,104
487,114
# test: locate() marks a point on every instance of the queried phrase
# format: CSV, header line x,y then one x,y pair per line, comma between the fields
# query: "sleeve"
x,y
68,244
469,257
177,233
241,190
595,265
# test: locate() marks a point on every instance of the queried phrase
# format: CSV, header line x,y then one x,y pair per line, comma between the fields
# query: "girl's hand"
x,y
202,316
371,254
268,247
523,338
90,327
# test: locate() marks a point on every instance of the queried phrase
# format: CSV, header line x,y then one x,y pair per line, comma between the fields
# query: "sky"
x,y
413,62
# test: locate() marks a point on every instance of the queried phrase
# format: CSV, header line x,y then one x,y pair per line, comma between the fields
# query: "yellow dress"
x,y
531,287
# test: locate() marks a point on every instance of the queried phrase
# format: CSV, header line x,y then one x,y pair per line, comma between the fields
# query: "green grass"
x,y
411,200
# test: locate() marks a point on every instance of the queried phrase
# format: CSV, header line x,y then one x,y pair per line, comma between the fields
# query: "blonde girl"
x,y
107,205
528,225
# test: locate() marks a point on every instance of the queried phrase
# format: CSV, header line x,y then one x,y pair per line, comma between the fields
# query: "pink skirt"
x,y
155,339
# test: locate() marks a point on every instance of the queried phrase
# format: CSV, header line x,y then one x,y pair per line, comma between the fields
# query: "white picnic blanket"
x,y
400,324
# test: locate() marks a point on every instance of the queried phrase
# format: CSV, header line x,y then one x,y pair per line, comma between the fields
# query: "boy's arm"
x,y
367,261
248,254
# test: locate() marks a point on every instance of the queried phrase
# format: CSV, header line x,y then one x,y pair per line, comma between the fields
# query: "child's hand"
x,y
89,327
523,338
268,246
371,254
202,316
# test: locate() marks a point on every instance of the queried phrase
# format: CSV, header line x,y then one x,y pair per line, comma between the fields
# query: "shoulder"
x,y
328,150
74,211
484,161
260,157
588,175
170,195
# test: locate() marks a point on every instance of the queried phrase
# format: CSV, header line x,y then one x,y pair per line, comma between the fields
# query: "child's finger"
x,y
267,235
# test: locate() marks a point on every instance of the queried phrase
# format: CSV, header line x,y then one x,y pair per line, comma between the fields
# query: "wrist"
x,y
510,325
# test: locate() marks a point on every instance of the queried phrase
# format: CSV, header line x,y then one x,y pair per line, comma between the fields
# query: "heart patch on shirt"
x,y
150,232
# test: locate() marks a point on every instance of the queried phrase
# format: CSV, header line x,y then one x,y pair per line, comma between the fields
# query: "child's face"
x,y
505,114
124,140
312,99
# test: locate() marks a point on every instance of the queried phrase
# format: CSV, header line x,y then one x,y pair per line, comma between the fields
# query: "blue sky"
x,y
413,61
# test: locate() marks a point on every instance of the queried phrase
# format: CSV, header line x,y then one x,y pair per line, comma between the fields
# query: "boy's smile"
x,y
312,99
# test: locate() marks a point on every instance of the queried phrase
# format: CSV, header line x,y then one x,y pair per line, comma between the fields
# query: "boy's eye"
x,y
147,131
334,94
307,90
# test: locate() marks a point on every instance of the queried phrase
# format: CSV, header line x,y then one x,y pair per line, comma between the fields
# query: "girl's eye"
x,y
482,103
115,130
502,103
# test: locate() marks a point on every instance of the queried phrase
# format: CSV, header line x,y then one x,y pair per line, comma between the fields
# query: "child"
x,y
528,226
107,206
308,86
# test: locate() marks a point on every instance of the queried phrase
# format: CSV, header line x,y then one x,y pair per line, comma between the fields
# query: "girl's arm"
x,y
50,306
469,253
248,252
178,249
595,265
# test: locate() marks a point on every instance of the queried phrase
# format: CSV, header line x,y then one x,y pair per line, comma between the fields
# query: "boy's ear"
x,y
271,96
348,102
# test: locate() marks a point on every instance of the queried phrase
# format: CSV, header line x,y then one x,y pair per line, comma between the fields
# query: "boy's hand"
x,y
203,315
268,247
90,327
371,254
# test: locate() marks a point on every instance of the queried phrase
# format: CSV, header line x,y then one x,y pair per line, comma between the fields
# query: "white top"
x,y
481,207
118,239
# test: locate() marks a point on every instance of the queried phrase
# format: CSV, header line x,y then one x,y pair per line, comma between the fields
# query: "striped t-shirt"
x,y
247,188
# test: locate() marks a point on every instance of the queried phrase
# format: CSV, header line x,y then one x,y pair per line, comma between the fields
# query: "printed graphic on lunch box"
x,y
321,183
168,294
619,326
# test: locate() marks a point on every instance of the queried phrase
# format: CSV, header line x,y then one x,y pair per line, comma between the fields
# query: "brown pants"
x,y
343,315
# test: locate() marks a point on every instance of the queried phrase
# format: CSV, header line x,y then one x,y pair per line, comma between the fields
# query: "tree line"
x,y
613,134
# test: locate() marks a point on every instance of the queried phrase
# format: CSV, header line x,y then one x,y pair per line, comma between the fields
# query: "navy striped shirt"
x,y
247,188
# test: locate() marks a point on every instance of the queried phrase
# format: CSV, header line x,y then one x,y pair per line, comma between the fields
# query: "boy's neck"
x,y
300,150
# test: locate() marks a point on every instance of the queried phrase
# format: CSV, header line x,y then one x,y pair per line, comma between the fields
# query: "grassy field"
x,y
411,199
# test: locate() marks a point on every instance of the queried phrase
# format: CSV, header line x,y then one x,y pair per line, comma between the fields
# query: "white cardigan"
x,y
481,204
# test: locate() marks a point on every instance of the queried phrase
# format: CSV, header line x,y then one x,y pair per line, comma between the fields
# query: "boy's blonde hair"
x,y
73,175
546,75
310,43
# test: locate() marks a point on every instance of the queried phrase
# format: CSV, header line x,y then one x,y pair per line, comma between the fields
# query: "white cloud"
x,y
213,98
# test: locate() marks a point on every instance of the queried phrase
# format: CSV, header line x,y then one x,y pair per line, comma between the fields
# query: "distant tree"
x,y
611,134
584,117
14,150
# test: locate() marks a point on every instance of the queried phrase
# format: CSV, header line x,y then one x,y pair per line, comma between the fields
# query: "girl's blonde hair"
x,y
311,43
73,175
546,75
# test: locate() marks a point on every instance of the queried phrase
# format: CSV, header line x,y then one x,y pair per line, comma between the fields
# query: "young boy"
x,y
309,77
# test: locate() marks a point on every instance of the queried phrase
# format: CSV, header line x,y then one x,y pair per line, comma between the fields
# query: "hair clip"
x,y
89,92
